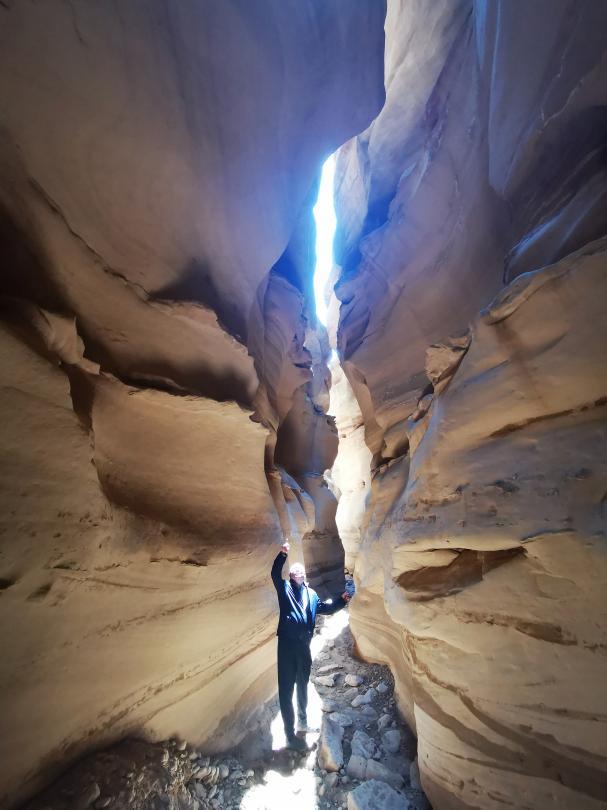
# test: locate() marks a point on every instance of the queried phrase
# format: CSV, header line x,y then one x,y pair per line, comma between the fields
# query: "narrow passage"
x,y
363,742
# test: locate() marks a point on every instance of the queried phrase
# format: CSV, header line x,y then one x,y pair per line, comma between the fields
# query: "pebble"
x,y
325,680
368,697
330,705
353,680
382,688
331,780
182,745
383,722
104,802
390,741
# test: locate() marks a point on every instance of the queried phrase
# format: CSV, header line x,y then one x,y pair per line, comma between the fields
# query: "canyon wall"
x,y
472,281
157,166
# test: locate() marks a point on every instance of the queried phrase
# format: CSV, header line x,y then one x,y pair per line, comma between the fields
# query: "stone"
x,y
375,795
357,767
362,744
341,718
382,688
390,741
325,680
330,752
353,680
376,770
369,712
329,705
88,796
331,780
383,722
367,697
329,667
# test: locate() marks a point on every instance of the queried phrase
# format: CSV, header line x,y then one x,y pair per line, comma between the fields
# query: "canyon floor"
x,y
363,756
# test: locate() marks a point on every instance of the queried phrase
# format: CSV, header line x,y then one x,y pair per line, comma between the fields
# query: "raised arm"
x,y
277,565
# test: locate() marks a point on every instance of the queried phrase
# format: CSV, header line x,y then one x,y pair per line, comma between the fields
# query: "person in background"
x,y
298,605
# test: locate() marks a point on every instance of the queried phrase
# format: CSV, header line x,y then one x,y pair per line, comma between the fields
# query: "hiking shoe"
x,y
296,743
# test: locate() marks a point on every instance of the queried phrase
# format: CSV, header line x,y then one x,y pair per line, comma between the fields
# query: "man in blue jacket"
x,y
298,605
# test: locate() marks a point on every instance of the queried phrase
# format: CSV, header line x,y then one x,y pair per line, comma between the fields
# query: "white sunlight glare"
x,y
324,215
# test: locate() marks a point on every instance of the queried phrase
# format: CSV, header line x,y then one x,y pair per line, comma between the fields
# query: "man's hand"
x,y
346,597
285,547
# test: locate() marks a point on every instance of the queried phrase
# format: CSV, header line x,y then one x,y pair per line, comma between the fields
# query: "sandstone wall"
x,y
481,553
156,161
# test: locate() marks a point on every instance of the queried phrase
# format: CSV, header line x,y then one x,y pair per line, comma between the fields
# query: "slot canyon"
x,y
173,407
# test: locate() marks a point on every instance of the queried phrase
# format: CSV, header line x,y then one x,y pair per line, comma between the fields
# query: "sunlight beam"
x,y
324,215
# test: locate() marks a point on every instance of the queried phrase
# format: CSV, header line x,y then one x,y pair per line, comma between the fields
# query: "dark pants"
x,y
294,664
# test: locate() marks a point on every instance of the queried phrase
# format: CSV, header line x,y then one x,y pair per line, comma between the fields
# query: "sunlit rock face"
x,y
472,221
156,162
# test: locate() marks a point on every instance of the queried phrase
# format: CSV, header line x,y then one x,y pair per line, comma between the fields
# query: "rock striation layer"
x,y
480,566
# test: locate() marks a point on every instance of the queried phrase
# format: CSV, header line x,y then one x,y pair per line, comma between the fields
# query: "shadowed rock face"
x,y
480,556
157,161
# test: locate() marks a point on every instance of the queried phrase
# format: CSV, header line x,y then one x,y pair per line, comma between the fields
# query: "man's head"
x,y
297,573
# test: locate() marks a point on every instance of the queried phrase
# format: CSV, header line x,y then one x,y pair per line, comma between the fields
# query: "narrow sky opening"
x,y
324,215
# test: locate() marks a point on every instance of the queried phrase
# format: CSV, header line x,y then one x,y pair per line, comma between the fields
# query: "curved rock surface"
x,y
481,551
165,395
157,161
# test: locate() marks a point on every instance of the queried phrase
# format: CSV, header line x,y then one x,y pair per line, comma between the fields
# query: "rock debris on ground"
x,y
363,757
